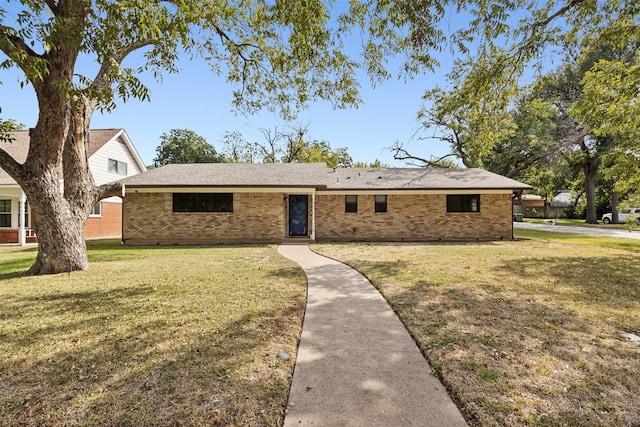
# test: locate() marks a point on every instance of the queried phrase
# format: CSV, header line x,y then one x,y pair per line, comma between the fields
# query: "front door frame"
x,y
291,226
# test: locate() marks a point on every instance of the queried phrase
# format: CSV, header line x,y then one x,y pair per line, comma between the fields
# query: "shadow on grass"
x,y
613,282
131,360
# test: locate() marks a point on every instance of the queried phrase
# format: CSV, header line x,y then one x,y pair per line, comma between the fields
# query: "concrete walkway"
x,y
357,365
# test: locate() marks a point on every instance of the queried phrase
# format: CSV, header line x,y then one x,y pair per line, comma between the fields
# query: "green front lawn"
x,y
150,336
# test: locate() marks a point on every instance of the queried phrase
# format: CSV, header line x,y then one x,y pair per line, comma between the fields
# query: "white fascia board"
x,y
288,190
131,148
413,192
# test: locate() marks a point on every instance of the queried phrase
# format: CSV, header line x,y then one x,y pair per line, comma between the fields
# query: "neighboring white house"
x,y
112,156
564,199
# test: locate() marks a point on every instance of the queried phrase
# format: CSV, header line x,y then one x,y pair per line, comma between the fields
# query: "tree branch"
x,y
558,13
118,55
529,162
400,153
53,5
16,49
239,50
11,166
111,189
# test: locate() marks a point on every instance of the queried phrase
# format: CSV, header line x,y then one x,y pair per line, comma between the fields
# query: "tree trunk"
x,y
61,244
59,217
590,174
615,200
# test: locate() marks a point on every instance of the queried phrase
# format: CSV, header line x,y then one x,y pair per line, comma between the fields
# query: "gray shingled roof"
x,y
318,176
419,179
18,148
232,175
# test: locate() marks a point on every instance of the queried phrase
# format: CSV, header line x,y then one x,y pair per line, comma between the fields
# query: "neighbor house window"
x,y
26,215
463,203
97,210
381,203
351,203
203,202
5,213
116,166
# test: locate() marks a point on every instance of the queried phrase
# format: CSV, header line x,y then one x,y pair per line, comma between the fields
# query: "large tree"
x,y
185,146
610,110
278,55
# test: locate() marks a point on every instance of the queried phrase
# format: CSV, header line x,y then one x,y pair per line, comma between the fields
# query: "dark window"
x,y
5,213
463,203
26,214
351,203
203,202
116,166
381,204
97,209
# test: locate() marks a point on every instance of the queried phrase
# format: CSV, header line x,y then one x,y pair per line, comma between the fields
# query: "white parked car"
x,y
622,216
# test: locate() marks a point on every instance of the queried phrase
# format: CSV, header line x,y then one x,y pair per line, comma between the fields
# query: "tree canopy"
x,y
284,146
185,146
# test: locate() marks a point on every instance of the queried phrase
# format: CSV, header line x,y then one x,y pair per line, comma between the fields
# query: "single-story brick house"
x,y
270,203
111,156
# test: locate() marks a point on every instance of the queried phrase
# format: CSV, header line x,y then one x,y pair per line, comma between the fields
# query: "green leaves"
x,y
185,146
609,105
610,110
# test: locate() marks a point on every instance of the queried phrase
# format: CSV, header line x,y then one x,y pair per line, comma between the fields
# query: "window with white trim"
x,y
5,213
116,166
96,210
26,215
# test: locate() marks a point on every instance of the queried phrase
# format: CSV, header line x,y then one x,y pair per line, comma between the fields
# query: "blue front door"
x,y
298,214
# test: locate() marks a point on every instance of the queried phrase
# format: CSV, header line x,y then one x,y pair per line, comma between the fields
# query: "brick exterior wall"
x,y
8,236
262,218
256,218
108,225
412,218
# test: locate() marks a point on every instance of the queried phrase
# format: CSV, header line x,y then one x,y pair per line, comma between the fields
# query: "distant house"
x,y
268,203
563,204
112,156
530,205
564,199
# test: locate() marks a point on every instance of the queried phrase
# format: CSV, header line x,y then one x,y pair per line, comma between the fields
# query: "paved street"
x,y
613,232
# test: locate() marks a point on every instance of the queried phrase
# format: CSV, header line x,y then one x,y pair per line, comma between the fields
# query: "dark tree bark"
x,y
590,174
615,200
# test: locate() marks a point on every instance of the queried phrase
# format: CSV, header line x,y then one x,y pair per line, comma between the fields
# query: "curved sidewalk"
x,y
357,365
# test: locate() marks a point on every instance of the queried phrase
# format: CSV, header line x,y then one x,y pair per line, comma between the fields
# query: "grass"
x,y
526,332
149,336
